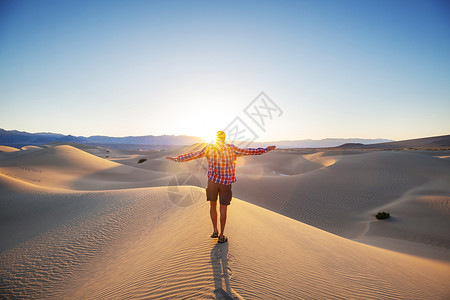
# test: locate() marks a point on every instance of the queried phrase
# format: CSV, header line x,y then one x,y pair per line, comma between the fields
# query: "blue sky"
x,y
365,69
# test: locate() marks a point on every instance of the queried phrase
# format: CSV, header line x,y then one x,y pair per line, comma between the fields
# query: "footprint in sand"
x,y
231,258
221,256
229,273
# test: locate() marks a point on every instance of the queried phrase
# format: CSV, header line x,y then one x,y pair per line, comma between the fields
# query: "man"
x,y
221,174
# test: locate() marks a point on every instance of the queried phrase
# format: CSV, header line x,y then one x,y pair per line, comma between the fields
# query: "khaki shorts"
x,y
222,190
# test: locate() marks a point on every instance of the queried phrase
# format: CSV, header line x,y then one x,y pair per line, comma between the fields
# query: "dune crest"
x,y
322,159
8,149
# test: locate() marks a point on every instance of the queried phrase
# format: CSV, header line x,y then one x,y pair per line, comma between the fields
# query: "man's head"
x,y
220,135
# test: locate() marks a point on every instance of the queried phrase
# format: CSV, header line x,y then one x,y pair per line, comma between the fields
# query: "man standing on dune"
x,y
221,174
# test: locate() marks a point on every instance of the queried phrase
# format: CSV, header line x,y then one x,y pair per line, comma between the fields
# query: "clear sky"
x,y
368,69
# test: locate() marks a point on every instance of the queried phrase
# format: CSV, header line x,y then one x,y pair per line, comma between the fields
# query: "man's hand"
x,y
171,158
270,148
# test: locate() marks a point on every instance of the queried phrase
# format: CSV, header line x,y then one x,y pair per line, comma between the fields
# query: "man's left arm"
x,y
252,151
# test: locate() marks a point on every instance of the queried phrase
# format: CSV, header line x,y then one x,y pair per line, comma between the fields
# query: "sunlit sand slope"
x,y
67,167
8,149
137,244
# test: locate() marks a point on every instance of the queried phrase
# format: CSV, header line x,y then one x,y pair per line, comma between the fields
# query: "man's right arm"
x,y
188,156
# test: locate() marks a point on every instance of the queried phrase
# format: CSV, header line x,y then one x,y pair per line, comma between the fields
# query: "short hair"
x,y
220,135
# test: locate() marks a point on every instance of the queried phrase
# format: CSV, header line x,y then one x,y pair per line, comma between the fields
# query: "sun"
x,y
196,126
209,136
202,121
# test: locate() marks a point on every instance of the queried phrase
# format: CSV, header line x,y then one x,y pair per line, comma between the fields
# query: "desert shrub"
x,y
141,160
382,215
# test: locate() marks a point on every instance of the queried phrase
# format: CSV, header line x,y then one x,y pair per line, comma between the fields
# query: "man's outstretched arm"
x,y
252,151
188,156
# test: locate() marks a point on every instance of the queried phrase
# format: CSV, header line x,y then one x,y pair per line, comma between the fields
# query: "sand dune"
x,y
30,147
8,149
136,244
67,167
76,224
285,163
322,159
344,197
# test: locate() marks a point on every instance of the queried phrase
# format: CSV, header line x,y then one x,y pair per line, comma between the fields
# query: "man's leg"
x,y
223,218
225,196
213,213
212,191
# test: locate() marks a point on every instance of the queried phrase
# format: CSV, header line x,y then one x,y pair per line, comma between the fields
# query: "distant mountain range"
x,y
442,142
18,139
324,143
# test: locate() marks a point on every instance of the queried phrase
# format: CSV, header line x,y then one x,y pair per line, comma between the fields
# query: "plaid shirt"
x,y
221,160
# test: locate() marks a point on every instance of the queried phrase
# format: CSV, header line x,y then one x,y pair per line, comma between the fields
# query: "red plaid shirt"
x,y
221,159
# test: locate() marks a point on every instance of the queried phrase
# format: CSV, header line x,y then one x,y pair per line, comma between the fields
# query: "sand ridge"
x,y
64,166
8,149
91,226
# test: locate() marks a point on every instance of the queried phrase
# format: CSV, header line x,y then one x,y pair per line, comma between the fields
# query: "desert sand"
x,y
7,149
82,222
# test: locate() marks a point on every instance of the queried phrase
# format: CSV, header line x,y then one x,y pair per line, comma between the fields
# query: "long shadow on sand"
x,y
219,263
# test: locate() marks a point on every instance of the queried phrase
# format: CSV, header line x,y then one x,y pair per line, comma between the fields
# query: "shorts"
x,y
222,190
